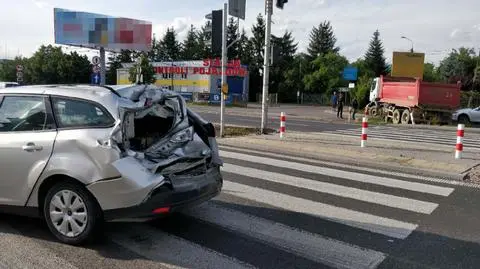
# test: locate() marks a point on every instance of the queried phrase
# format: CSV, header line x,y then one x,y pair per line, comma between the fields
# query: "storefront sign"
x,y
210,67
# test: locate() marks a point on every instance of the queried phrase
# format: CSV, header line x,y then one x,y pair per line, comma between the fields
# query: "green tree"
x,y
232,36
459,65
204,36
287,47
8,69
155,54
256,48
170,46
293,78
374,58
326,75
362,90
244,48
191,48
363,70
49,65
430,73
147,71
115,62
322,41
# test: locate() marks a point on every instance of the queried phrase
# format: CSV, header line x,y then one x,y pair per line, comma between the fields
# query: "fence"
x,y
214,98
469,99
272,99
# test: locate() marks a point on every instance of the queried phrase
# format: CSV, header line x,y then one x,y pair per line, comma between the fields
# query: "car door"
x,y
475,115
27,135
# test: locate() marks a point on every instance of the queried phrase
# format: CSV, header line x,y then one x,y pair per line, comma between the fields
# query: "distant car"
x,y
8,84
467,115
80,155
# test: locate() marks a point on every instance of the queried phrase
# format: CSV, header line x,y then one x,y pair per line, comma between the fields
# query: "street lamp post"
x,y
404,37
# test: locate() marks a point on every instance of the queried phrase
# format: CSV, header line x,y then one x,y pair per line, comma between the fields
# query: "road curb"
x,y
390,163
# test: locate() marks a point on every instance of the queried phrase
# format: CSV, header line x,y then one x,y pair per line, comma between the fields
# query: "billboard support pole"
x,y
224,68
102,66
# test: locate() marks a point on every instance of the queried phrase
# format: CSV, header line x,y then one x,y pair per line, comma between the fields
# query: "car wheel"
x,y
71,213
463,119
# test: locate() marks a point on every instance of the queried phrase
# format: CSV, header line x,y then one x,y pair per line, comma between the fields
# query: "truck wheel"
x,y
405,116
373,112
396,116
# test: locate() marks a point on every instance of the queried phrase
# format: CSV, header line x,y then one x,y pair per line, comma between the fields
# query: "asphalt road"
x,y
280,212
293,124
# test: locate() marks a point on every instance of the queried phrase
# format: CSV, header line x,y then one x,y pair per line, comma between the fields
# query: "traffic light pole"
x,y
266,64
224,68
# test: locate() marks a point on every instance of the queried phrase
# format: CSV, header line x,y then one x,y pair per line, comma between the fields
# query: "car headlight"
x,y
184,135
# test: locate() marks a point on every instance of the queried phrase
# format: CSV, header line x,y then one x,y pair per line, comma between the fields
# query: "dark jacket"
x,y
354,104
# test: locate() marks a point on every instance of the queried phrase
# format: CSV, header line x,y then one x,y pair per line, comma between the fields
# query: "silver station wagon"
x,y
79,155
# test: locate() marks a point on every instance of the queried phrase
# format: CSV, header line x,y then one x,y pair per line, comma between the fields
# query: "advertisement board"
x,y
408,64
93,30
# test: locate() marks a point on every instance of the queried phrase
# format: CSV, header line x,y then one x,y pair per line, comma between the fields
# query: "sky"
x,y
434,26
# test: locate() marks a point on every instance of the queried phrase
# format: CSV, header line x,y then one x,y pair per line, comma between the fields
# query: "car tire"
x,y
463,119
73,221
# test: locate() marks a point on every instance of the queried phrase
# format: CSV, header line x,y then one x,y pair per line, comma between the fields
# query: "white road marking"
x,y
369,222
338,190
383,181
311,246
171,251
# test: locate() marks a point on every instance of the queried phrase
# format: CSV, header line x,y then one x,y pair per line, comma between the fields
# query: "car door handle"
x,y
31,147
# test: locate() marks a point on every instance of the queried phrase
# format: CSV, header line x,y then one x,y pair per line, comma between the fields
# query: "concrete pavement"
x,y
279,211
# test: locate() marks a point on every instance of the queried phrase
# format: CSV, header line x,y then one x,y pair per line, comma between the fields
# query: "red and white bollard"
x,y
283,128
363,143
459,146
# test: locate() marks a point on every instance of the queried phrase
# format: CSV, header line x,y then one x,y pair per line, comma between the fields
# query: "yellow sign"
x,y
225,88
408,64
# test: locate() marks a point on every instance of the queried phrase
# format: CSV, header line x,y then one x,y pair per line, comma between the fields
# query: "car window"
x,y
72,113
24,113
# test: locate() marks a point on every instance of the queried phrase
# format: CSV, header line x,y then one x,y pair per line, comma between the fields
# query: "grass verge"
x,y
233,131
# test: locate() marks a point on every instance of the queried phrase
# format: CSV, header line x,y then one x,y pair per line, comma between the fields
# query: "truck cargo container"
x,y
406,100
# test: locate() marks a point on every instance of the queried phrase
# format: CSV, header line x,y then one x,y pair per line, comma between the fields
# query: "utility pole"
x,y
224,68
266,63
102,66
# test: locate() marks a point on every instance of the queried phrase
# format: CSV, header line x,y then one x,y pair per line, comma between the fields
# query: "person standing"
x,y
340,103
334,101
354,107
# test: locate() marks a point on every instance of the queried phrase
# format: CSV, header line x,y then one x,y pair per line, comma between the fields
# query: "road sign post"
x,y
266,64
19,68
224,67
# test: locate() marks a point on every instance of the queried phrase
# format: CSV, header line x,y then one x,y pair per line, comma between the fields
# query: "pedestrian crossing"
x,y
273,212
444,137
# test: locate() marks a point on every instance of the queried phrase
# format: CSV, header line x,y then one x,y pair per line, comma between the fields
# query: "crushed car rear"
x,y
169,156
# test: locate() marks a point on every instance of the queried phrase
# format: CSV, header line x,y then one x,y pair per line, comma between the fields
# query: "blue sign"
x,y
188,96
95,78
350,73
215,99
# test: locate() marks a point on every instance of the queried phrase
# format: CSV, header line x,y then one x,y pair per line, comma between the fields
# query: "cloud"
x,y
41,4
181,25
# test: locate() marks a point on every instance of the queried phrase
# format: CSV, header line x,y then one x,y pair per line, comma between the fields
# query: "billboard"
x,y
408,64
92,30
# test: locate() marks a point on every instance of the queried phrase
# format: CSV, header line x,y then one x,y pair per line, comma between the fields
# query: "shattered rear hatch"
x,y
160,133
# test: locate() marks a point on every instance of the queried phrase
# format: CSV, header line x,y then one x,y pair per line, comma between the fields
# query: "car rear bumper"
x,y
184,191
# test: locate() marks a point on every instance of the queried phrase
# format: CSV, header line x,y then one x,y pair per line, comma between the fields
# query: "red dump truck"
x,y
407,100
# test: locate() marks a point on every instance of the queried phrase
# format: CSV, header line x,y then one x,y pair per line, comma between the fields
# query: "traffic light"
x,y
215,28
280,3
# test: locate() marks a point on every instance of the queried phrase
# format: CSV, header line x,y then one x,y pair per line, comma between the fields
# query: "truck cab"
x,y
374,89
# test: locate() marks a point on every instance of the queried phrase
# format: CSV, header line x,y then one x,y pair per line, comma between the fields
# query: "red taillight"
x,y
161,210
148,102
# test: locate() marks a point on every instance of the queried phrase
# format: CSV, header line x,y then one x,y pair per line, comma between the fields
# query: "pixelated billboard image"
x,y
95,30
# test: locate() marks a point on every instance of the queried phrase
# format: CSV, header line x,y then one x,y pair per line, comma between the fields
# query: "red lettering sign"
x,y
210,67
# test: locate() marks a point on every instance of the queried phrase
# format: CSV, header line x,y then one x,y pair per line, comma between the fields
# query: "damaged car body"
x,y
138,152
